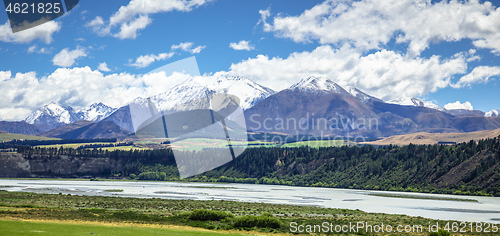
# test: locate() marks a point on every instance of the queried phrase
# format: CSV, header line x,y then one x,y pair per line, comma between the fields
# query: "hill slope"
x,y
434,138
87,130
18,127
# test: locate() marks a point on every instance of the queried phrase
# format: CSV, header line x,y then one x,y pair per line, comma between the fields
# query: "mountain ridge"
x,y
405,115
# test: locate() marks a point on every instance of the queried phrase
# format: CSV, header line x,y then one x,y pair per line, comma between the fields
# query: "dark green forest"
x,y
467,168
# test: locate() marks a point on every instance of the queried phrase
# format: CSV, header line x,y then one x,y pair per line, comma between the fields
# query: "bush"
x,y
440,233
263,221
209,215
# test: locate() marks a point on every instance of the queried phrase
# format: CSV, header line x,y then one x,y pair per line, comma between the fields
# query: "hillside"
x,y
434,138
467,168
18,127
86,129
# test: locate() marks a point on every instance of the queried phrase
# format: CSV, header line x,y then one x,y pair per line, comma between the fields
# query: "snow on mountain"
x,y
246,90
54,114
319,83
191,94
408,101
492,113
196,89
360,95
96,112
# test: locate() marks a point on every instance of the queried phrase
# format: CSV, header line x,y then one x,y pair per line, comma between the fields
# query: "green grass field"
x,y
197,144
76,145
316,144
11,227
4,137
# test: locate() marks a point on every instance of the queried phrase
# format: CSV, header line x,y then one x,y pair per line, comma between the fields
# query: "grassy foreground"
x,y
55,228
110,216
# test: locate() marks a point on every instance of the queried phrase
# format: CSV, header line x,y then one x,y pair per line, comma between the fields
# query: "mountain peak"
x,y
195,88
50,113
492,113
319,84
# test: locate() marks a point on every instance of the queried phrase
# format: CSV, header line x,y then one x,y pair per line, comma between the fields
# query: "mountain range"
x,y
320,107
316,106
54,115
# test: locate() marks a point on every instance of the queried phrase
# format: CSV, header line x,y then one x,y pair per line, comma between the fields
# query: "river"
x,y
433,206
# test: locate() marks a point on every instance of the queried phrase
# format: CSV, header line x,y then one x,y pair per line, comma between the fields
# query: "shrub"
x,y
440,233
263,221
209,215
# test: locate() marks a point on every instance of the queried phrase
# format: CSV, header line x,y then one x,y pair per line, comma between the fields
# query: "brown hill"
x,y
434,138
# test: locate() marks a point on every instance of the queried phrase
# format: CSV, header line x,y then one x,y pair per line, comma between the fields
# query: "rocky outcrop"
x,y
15,165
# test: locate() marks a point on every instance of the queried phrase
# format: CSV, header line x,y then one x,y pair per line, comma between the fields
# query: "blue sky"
x,y
441,51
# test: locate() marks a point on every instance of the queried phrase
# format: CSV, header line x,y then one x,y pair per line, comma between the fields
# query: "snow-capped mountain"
x,y
188,95
319,84
408,101
492,113
197,88
54,115
96,112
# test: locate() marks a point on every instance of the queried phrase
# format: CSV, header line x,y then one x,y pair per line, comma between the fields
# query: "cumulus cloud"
x,y
41,32
135,16
103,67
146,60
77,87
369,24
480,74
188,47
242,45
458,105
66,57
385,74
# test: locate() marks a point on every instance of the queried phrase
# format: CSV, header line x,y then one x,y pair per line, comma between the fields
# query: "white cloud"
x,y
66,57
98,26
103,67
480,74
129,30
77,87
458,105
35,49
135,16
41,32
146,60
369,24
242,45
264,14
188,47
384,74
